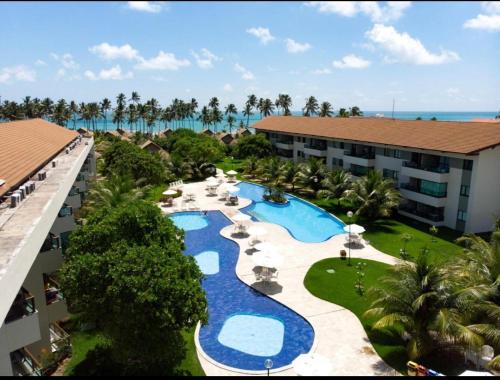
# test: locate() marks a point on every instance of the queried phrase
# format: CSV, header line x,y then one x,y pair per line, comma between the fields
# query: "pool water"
x,y
304,221
245,327
189,221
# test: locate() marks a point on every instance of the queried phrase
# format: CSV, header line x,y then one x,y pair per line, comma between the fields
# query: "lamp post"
x,y
349,215
268,364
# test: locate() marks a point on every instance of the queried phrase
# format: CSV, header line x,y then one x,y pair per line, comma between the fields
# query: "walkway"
x,y
339,334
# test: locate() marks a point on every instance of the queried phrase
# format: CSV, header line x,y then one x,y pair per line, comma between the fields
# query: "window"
x,y
392,153
467,165
334,161
387,152
392,174
341,162
297,139
433,189
300,154
462,215
397,153
464,190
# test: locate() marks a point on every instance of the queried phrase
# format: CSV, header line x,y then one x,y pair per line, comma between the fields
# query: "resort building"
x,y
152,147
44,169
447,172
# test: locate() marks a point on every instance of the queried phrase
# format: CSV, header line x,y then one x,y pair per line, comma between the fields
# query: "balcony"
x,y
65,210
366,159
315,150
429,216
59,339
52,242
429,173
23,306
417,189
286,145
25,364
359,171
52,290
431,198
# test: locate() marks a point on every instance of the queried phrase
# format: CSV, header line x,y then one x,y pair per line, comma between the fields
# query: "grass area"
x,y
339,288
229,163
87,361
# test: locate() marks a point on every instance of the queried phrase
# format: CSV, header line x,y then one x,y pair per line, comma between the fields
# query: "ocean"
x,y
197,125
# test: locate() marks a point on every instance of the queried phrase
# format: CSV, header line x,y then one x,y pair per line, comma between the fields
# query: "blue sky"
x,y
429,56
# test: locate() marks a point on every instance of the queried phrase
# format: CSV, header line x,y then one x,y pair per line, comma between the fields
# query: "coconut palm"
x,y
272,170
290,174
251,165
355,111
343,113
105,107
325,110
229,112
135,98
247,111
267,107
373,195
420,301
335,184
286,104
311,107
73,107
47,107
204,117
312,173
119,111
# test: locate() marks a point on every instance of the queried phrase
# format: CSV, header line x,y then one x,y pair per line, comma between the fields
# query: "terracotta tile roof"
x,y
443,136
26,146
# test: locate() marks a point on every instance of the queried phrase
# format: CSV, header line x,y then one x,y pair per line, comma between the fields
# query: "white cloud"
x,y
39,62
351,61
146,6
163,61
323,71
296,47
246,74
17,73
404,48
66,60
393,10
110,52
263,34
114,73
62,73
228,88
489,21
205,59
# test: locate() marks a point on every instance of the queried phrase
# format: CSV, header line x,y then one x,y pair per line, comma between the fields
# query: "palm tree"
x,y
267,107
193,106
119,112
343,113
115,190
73,107
259,106
311,173
47,107
247,111
272,170
373,195
251,165
286,104
229,112
311,107
335,184
204,117
325,110
105,107
135,98
420,301
290,174
355,111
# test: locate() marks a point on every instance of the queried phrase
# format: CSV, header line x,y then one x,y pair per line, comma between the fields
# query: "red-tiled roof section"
x,y
444,136
27,145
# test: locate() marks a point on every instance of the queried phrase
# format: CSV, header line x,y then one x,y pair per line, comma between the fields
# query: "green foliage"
x,y
124,158
125,272
252,145
312,173
359,284
275,194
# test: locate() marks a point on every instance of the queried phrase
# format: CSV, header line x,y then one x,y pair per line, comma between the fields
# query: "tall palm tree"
x,y
105,107
311,107
336,182
373,195
312,173
229,112
286,104
135,98
119,112
259,106
420,300
267,107
193,106
355,111
251,165
343,113
73,107
205,117
325,110
290,173
247,111
47,107
27,107
272,170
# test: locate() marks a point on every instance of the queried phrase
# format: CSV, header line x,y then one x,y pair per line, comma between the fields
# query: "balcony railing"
x,y
416,189
59,339
51,242
80,177
433,216
284,141
315,146
25,364
52,290
367,156
65,211
434,169
74,191
23,306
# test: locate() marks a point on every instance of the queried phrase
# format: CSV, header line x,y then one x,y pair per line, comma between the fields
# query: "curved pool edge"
x,y
252,203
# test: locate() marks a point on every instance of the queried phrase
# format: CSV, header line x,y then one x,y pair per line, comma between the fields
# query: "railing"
x,y
80,177
74,191
360,171
59,338
52,291
23,306
367,156
316,147
51,242
288,142
435,217
65,211
434,169
25,364
416,189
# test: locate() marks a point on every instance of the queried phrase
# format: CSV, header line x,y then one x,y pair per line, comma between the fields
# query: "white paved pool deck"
x,y
339,335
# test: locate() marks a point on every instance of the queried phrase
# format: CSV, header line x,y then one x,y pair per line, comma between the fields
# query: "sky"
x,y
428,56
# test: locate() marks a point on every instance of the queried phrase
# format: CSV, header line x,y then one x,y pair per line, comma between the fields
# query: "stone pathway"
x,y
339,334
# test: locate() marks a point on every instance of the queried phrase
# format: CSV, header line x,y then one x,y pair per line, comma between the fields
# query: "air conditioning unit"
x,y
27,188
67,150
15,199
31,186
23,191
42,175
21,195
54,163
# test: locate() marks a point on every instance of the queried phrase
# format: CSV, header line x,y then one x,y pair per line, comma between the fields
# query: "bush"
x,y
252,145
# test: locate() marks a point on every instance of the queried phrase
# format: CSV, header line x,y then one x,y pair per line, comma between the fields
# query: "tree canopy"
x,y
252,145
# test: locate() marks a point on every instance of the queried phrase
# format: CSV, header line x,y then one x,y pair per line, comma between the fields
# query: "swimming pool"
x,y
190,220
245,327
304,221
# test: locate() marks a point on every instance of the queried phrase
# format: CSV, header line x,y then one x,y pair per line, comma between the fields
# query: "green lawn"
x,y
339,288
86,361
229,163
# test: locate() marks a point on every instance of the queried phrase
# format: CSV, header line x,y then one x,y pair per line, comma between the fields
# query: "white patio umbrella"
x,y
267,259
354,229
211,179
475,373
231,172
257,231
220,174
312,365
240,217
169,192
232,189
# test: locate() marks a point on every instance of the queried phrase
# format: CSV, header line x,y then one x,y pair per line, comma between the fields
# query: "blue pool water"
x,y
245,327
208,262
190,220
304,221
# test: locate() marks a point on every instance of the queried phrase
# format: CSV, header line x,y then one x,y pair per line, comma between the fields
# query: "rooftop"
x,y
443,136
27,145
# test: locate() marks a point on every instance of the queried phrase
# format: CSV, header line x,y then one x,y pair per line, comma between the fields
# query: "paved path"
x,y
339,334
